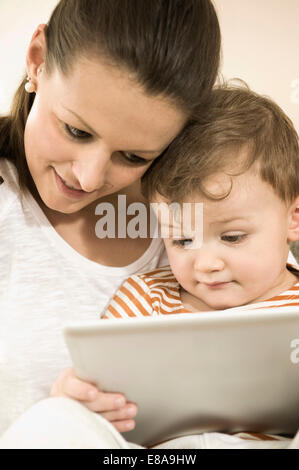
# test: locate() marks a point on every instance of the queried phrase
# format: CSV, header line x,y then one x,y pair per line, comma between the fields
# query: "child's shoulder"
x,y
161,275
158,278
145,294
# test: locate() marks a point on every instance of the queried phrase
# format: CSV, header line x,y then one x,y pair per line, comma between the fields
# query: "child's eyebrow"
x,y
230,219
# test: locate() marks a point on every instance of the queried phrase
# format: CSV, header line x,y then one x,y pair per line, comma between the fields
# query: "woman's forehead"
x,y
106,97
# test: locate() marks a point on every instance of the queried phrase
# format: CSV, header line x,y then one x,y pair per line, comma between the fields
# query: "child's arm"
x,y
112,406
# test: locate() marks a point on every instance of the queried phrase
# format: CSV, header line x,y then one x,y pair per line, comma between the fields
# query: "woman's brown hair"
x,y
172,48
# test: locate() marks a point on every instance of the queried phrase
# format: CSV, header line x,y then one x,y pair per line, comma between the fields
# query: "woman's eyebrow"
x,y
92,131
82,121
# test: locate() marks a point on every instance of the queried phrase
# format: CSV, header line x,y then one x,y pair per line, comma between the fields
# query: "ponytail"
x,y
12,133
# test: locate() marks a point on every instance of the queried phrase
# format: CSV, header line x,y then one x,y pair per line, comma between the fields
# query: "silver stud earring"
x,y
30,87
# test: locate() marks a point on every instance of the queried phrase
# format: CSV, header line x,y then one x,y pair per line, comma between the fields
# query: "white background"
x,y
260,45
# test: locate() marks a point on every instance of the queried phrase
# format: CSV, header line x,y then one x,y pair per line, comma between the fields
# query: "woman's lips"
x,y
66,191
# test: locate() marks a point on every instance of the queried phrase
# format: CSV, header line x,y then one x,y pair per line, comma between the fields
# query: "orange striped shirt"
x,y
158,293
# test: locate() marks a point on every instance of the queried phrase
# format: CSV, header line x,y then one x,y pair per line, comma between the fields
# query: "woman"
x,y
110,84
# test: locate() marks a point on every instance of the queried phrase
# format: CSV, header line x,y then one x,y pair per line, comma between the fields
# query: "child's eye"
x,y
182,243
134,159
76,133
233,238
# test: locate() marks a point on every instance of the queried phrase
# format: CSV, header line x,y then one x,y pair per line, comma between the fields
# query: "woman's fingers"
x,y
127,412
106,402
70,386
79,390
122,418
112,406
124,426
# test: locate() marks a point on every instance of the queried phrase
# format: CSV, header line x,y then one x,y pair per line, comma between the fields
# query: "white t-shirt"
x,y
44,284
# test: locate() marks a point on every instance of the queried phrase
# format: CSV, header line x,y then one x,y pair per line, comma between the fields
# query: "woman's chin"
x,y
63,207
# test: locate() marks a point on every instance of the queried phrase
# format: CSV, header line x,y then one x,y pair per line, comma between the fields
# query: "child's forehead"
x,y
225,189
241,193
246,195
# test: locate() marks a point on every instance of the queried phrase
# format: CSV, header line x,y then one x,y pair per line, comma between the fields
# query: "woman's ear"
x,y
36,53
293,229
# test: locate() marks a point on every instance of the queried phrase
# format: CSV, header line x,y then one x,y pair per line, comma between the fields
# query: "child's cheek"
x,y
179,262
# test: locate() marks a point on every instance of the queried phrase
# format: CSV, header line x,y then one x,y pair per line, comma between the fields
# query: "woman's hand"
x,y
112,406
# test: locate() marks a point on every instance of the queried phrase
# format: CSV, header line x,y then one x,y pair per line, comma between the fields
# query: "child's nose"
x,y
207,260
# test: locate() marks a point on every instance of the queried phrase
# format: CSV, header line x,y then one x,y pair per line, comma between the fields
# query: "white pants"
x,y
61,423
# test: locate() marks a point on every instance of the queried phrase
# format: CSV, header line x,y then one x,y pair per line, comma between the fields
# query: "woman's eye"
x,y
182,243
76,133
233,238
134,159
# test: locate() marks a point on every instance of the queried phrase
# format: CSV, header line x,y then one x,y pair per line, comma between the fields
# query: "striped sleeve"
x,y
149,294
131,300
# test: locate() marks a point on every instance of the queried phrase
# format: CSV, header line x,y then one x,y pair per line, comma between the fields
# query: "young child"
x,y
242,162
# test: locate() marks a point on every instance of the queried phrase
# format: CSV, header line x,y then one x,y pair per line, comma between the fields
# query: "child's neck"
x,y
194,304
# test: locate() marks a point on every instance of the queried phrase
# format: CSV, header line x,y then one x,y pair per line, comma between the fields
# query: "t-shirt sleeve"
x,y
132,300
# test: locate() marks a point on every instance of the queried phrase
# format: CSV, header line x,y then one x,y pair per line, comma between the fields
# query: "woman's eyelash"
x,y
75,133
132,158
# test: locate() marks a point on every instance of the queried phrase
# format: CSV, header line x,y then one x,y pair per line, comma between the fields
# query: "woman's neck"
x,y
79,231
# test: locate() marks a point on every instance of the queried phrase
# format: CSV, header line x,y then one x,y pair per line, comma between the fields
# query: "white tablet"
x,y
223,371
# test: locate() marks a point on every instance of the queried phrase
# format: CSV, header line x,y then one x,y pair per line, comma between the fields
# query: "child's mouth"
x,y
217,285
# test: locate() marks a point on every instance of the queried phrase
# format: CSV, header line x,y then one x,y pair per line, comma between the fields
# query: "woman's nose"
x,y
208,260
91,169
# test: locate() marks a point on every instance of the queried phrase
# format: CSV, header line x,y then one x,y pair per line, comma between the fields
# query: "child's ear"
x,y
293,229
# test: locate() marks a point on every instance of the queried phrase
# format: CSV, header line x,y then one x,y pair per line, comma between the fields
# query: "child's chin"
x,y
223,306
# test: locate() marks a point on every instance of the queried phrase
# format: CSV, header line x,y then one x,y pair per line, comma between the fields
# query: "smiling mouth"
x,y
71,187
67,190
79,190
68,185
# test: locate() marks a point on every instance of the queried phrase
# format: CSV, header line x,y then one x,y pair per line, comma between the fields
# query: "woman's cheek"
x,y
50,149
121,178
44,140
